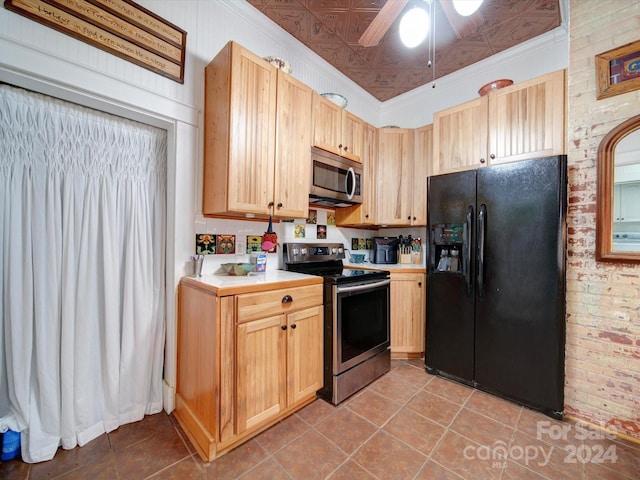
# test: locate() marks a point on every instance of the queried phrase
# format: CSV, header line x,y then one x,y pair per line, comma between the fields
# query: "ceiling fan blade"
x,y
381,23
462,26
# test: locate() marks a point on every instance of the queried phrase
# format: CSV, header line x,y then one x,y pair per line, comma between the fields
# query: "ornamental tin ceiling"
x,y
331,28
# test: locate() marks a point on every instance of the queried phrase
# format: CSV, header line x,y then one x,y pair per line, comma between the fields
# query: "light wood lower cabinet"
x,y
245,361
407,315
279,364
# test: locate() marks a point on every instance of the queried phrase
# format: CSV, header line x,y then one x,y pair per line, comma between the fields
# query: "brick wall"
x,y
603,300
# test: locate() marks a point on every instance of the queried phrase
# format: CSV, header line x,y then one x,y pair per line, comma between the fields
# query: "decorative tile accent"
x,y
300,230
312,219
226,243
369,243
355,244
362,244
321,232
331,217
205,244
254,243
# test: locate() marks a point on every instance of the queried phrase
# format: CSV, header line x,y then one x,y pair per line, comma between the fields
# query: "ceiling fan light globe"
x,y
414,27
466,7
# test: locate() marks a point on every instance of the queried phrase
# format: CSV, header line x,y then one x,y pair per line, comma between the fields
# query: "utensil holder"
x,y
405,258
197,265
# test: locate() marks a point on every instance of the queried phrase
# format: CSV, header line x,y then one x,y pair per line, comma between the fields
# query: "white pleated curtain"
x,y
82,248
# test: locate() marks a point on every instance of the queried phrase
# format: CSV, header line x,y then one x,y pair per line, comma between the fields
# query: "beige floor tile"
x,y
389,458
310,456
374,407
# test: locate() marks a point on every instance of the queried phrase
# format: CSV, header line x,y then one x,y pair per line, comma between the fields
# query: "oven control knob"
x,y
303,251
340,250
295,251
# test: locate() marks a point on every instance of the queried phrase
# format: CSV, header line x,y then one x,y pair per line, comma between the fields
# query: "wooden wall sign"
x,y
120,27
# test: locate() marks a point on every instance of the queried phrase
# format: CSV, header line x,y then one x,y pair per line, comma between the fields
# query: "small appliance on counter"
x,y
385,250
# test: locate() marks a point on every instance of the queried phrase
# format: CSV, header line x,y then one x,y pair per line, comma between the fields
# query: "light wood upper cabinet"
x,y
460,137
407,321
256,118
293,140
519,122
527,120
364,213
422,160
336,130
352,136
394,176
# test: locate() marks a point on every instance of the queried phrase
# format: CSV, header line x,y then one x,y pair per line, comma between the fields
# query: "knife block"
x,y
405,258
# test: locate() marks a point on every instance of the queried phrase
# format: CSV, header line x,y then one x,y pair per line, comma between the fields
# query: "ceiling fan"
x,y
461,25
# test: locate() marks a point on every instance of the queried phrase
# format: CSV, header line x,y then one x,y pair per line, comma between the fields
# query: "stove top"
x,y
325,259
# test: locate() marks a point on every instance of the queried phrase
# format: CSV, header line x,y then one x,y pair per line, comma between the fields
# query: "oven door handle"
x,y
364,286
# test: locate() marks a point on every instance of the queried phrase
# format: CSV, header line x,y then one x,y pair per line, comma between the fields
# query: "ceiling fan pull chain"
x,y
433,44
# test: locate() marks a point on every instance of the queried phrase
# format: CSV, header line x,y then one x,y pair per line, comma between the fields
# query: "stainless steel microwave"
x,y
335,181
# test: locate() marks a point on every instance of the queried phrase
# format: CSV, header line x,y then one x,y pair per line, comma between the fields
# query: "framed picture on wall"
x,y
618,70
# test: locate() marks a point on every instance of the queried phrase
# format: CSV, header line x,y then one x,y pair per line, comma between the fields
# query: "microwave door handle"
x,y
350,173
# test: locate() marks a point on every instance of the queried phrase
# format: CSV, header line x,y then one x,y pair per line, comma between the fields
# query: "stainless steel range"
x,y
356,317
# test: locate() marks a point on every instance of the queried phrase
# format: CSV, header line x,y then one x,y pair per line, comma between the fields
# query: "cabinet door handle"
x,y
287,299
420,284
345,148
293,325
482,160
492,156
340,146
279,205
270,204
283,327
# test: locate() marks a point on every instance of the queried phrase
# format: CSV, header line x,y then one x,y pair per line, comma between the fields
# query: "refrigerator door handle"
x,y
466,265
482,227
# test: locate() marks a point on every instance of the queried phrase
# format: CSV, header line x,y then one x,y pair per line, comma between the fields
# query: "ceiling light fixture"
x,y
466,7
414,27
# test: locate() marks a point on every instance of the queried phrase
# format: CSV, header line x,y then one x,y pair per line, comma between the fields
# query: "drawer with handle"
x,y
251,306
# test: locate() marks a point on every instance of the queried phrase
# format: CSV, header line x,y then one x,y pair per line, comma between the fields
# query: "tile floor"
x,y
406,425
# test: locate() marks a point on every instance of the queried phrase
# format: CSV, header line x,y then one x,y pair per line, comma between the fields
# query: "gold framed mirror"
x,y
618,194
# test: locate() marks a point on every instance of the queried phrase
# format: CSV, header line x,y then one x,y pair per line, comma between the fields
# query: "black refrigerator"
x,y
496,280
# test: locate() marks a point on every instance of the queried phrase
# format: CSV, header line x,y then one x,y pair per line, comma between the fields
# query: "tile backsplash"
x,y
241,237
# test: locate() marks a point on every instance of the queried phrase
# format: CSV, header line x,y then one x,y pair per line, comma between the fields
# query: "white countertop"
x,y
392,267
254,282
